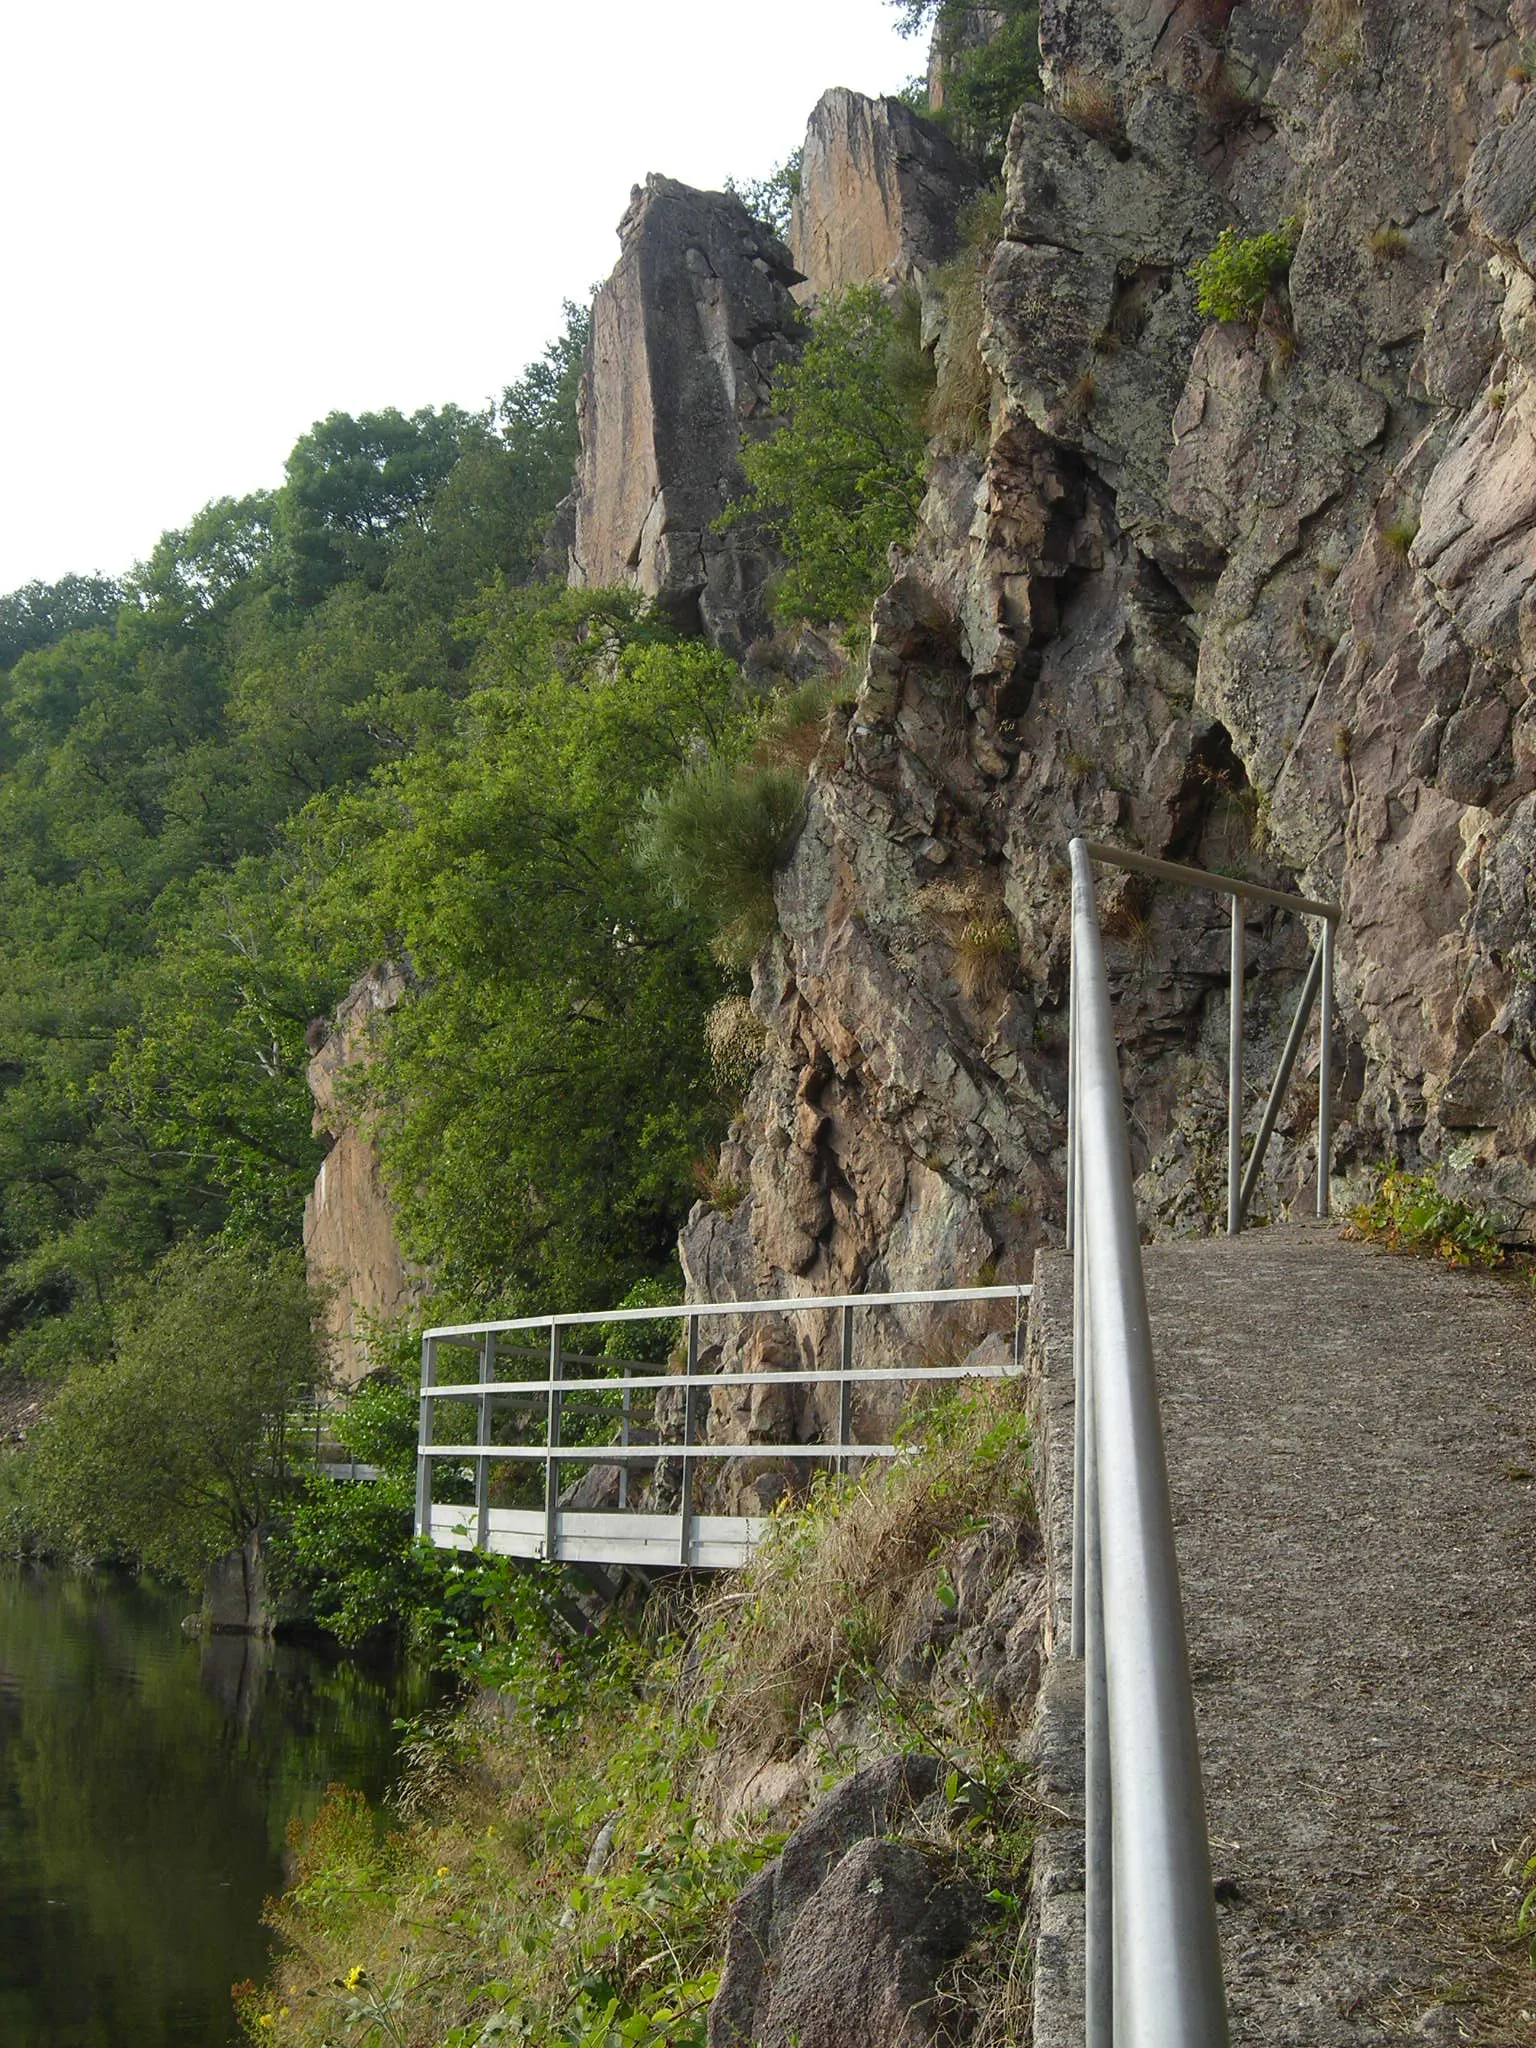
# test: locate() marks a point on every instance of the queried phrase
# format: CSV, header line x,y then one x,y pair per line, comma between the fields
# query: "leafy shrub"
x,y
1408,1213
1234,281
734,1040
839,483
715,837
772,199
989,66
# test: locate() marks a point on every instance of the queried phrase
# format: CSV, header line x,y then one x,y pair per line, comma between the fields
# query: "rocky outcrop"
x,y
845,1935
879,191
1249,596
351,1247
686,336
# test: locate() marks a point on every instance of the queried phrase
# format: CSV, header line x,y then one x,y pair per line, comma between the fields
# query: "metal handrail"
x,y
607,1535
1152,1962
1240,1182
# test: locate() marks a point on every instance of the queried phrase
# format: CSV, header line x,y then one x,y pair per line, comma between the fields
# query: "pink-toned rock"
x,y
879,190
351,1245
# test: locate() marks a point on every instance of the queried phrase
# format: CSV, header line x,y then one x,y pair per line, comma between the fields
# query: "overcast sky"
x,y
222,221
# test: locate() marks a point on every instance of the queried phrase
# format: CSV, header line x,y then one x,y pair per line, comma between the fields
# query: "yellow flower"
x,y
442,1870
355,1976
265,2019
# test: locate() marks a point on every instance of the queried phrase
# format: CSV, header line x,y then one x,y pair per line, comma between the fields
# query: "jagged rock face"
x,y
351,1248
1180,600
686,336
879,190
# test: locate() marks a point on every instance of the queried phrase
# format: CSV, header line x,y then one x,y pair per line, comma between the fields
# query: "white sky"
x,y
222,221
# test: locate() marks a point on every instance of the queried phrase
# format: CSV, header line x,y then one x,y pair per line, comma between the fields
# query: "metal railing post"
x,y
424,1439
685,1488
1071,1095
1098,1850
1281,1082
551,1445
1235,1078
624,1422
1079,1375
1167,1958
1325,1076
482,1439
845,1387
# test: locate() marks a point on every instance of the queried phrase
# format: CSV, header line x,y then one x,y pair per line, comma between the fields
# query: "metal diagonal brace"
x,y
1281,1082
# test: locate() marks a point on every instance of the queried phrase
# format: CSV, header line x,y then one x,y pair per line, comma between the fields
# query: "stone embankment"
x,y
1352,1456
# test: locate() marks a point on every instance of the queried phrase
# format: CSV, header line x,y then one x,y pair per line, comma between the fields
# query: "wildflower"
x,y
442,1871
355,1976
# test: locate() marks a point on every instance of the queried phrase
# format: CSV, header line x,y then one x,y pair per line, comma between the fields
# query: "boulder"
x,y
879,191
845,1936
686,336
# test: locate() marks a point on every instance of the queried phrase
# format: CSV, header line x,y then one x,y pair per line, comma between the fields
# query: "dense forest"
x,y
361,719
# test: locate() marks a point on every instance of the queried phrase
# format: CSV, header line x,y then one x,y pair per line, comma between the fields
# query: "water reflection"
x,y
146,1785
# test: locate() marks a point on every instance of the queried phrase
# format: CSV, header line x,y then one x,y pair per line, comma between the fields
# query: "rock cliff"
x,y
686,335
350,1244
879,191
1254,594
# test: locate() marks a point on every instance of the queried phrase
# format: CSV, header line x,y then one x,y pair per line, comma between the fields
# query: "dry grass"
x,y
1388,242
842,1587
1088,103
734,1040
968,915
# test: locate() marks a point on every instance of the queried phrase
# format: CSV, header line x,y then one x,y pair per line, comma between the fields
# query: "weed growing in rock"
x,y
733,1038
1408,1213
1399,532
1237,279
1088,103
1388,241
716,836
959,410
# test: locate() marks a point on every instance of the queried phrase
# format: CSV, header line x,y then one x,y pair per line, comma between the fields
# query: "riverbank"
x,y
566,1865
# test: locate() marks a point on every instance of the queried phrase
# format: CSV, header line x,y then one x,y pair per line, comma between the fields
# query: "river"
x,y
147,1780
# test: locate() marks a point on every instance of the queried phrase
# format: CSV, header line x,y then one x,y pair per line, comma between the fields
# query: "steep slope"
x,y
1251,593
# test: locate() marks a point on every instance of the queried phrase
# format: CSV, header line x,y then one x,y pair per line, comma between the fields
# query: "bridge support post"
x,y
552,1443
845,1388
685,1491
424,1440
482,1438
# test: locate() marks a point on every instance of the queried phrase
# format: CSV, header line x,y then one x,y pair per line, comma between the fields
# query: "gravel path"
x,y
1352,1443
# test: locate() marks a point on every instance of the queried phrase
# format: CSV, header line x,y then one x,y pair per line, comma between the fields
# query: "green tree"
x,y
990,58
172,1449
40,613
540,1100
839,483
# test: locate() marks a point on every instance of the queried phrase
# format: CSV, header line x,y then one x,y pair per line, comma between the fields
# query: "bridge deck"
x,y
1352,1441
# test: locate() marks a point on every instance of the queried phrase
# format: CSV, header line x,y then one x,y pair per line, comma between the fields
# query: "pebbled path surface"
x,y
1352,1453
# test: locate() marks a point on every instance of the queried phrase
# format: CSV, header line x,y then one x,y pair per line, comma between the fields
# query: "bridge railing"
x,y
1152,1957
543,1407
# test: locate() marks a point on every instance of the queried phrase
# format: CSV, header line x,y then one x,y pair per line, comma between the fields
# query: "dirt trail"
x,y
1352,1452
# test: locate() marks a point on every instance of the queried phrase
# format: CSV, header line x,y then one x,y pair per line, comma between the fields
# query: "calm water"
x,y
146,1783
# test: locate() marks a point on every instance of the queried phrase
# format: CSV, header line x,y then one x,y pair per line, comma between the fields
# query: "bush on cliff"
x,y
840,481
990,61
